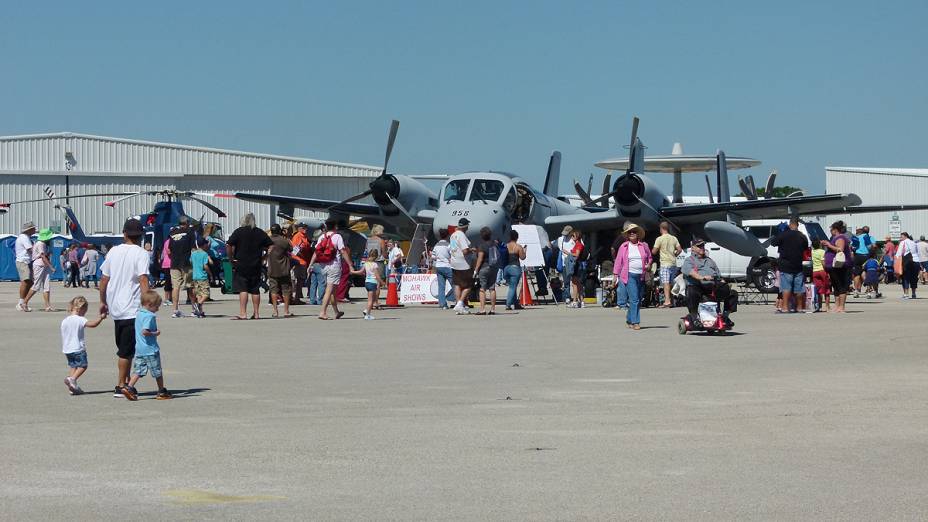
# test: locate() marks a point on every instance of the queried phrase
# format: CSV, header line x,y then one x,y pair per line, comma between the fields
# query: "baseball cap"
x,y
697,242
133,228
463,222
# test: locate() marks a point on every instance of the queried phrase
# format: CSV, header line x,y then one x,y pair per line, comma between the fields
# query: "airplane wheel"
x,y
681,327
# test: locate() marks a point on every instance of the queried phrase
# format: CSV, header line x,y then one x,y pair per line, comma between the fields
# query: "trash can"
x,y
226,276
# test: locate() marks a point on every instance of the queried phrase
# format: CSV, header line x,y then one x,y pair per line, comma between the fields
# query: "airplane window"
x,y
510,202
456,190
486,190
759,231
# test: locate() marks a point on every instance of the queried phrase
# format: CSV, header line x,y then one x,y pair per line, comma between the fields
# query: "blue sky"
x,y
482,85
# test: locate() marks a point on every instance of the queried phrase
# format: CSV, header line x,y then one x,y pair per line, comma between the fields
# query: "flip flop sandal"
x,y
289,316
491,313
480,313
322,318
339,315
237,318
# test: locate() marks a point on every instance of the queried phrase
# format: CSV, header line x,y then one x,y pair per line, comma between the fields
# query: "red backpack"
x,y
325,249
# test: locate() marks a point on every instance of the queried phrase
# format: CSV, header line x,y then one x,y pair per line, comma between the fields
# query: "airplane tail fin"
x,y
721,170
553,177
73,226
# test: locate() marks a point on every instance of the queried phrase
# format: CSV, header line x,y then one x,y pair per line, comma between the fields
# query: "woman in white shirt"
x,y
907,251
441,261
631,267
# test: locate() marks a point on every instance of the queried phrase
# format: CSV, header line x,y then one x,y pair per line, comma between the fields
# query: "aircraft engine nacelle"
x,y
412,194
637,198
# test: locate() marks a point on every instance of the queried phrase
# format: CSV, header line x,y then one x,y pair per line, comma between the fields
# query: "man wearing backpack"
x,y
330,252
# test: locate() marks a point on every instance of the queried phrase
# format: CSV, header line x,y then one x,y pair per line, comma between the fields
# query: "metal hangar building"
x,y
74,164
882,186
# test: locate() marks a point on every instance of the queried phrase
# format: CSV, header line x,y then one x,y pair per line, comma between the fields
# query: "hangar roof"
x,y
46,154
880,170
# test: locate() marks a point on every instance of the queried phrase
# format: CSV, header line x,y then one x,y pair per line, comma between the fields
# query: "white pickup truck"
x,y
757,270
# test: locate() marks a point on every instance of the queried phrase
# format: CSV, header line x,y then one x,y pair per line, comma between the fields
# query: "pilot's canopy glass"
x,y
456,190
486,190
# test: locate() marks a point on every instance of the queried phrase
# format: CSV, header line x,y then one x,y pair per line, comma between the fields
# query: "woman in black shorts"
x,y
841,275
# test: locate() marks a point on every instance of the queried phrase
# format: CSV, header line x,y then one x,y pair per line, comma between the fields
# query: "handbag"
x,y
839,260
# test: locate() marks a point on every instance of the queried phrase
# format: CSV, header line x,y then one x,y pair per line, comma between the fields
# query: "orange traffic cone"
x,y
526,298
393,298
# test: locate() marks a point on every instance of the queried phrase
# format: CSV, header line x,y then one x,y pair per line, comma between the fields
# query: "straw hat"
x,y
27,226
631,227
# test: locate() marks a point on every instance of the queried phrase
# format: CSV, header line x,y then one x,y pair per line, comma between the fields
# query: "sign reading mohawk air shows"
x,y
419,288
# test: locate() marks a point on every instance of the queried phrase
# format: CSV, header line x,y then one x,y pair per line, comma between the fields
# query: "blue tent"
x,y
8,257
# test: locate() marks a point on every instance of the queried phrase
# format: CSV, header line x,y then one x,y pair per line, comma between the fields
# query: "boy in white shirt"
x,y
72,341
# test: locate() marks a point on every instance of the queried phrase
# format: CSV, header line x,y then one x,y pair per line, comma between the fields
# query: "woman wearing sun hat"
x,y
42,268
631,267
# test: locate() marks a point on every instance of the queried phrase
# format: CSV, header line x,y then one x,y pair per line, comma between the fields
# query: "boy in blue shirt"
x,y
872,276
200,261
147,352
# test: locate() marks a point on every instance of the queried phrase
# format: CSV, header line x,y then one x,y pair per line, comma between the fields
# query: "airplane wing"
x,y
777,208
589,220
865,209
357,209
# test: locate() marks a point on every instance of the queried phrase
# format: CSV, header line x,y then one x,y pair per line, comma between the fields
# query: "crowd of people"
x,y
290,260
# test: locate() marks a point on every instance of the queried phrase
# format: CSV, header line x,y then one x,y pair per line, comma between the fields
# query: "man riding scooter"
x,y
703,279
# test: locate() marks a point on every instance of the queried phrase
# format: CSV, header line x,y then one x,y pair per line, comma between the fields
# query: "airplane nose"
x,y
479,214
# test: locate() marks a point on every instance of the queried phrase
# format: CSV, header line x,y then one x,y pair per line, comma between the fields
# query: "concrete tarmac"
x,y
546,414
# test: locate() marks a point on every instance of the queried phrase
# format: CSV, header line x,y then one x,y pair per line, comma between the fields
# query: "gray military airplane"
x,y
498,200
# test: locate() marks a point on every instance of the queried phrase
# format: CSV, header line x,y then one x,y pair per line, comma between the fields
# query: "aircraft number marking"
x,y
460,213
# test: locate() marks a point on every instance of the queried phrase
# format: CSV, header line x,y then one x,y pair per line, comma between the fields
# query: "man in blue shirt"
x,y
862,244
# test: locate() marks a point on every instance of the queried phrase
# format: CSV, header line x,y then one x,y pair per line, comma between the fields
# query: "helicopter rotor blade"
x,y
112,203
208,205
709,189
110,194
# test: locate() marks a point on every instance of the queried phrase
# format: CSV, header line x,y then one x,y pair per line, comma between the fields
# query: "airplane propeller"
x,y
768,188
607,184
584,195
744,188
753,189
374,185
604,198
709,189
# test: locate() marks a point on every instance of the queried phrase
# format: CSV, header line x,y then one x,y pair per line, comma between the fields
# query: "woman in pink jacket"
x,y
631,266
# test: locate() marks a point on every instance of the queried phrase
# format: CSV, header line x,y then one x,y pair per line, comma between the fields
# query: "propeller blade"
x,y
112,203
768,188
402,209
208,205
394,126
585,196
631,146
607,186
796,194
352,198
750,181
589,184
709,189
744,187
600,199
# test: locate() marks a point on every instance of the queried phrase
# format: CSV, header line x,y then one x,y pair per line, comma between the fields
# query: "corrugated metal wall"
x,y
882,189
29,163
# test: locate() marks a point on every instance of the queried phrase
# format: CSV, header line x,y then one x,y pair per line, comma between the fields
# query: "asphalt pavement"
x,y
545,414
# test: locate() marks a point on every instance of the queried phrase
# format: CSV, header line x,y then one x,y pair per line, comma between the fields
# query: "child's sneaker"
x,y
77,390
130,393
177,314
164,394
72,386
117,392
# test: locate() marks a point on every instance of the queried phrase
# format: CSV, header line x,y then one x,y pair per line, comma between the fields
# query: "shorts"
x,y
77,359
201,288
142,364
463,278
182,278
246,283
871,277
822,283
371,287
333,273
42,278
570,266
487,277
924,266
795,283
668,274
279,285
125,338
24,270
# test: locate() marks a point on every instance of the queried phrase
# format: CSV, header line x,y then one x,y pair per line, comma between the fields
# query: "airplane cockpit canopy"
x,y
456,190
487,190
